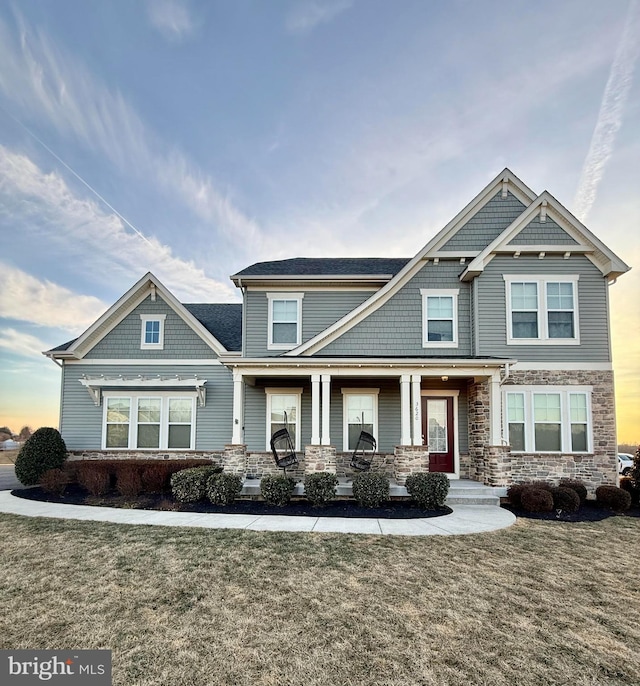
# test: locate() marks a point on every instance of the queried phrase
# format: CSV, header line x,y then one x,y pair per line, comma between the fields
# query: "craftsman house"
x,y
486,356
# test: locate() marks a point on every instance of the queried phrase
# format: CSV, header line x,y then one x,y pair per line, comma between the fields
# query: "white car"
x,y
625,463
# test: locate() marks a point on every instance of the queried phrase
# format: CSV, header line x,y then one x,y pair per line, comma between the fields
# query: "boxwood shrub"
x,y
222,489
371,489
577,486
536,499
190,485
565,499
429,489
45,449
613,497
277,490
320,488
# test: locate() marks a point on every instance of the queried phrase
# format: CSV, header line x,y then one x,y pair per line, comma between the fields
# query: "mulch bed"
x,y
588,512
74,495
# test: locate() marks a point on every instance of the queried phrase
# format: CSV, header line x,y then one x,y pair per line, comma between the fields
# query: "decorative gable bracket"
x,y
95,384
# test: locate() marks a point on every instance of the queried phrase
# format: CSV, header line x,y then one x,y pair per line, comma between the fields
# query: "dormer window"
x,y
152,331
285,320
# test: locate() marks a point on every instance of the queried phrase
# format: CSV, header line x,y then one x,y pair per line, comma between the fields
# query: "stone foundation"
x,y
216,456
410,459
497,462
234,460
320,458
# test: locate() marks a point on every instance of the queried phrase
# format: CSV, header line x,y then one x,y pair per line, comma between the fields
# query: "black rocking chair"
x,y
361,460
283,449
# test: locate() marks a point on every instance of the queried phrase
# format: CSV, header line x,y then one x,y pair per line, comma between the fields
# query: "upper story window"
x,y
285,320
548,419
439,318
542,310
152,331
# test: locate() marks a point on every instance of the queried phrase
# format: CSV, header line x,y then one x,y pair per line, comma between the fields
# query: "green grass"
x,y
539,603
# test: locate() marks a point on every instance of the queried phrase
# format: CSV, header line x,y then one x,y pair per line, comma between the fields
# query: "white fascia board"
x,y
126,304
586,242
143,362
370,305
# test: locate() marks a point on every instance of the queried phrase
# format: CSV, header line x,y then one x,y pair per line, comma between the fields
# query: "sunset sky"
x,y
193,138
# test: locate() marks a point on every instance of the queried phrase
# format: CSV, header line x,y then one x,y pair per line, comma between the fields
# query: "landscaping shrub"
x,y
44,450
155,477
277,490
635,472
613,497
222,489
370,489
129,480
514,493
54,481
565,499
190,485
429,489
320,488
534,499
628,484
94,477
576,486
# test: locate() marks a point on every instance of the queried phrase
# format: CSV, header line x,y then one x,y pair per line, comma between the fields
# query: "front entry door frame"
x,y
456,451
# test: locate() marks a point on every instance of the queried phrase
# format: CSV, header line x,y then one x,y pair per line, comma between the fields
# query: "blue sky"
x,y
193,138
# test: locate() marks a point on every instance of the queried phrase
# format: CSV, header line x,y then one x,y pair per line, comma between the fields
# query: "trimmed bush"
x,y
155,477
94,477
514,493
370,489
54,481
320,488
277,490
613,497
222,489
129,480
190,485
429,490
44,450
565,499
627,483
576,486
535,499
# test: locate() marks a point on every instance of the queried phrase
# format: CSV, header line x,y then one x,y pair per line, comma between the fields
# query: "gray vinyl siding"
x,y
81,422
123,341
592,310
389,419
487,224
538,232
396,327
320,309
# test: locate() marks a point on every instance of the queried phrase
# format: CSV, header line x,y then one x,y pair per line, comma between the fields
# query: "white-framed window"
x,y
542,309
283,410
439,317
360,413
152,331
285,320
152,420
548,419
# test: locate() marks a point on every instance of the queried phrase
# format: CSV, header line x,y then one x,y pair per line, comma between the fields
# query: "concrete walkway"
x,y
8,480
465,519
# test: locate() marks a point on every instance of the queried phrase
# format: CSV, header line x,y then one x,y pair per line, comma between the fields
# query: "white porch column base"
x,y
416,408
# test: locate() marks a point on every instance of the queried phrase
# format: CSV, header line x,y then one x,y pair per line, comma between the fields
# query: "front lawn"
x,y
539,603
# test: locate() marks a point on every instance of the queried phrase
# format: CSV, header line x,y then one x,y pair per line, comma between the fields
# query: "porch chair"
x,y
281,441
361,460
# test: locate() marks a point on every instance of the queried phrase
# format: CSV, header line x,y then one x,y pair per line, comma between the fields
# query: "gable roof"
x,y
506,181
148,284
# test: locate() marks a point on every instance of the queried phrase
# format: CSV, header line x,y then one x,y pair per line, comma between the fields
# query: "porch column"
x,y
238,388
315,409
416,410
326,409
495,410
405,409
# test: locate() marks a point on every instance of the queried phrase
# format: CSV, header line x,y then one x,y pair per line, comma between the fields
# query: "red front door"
x,y
437,432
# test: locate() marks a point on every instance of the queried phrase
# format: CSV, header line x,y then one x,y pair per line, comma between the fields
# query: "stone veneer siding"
x,y
410,459
479,423
75,455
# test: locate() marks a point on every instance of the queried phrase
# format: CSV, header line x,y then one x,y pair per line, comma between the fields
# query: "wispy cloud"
x,y
306,15
611,113
21,343
171,18
45,206
44,82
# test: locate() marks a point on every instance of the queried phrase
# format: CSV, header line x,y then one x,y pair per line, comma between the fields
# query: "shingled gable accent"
x,y
123,307
505,181
584,242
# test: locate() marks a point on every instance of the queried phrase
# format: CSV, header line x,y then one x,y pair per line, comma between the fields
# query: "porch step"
x,y
461,491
